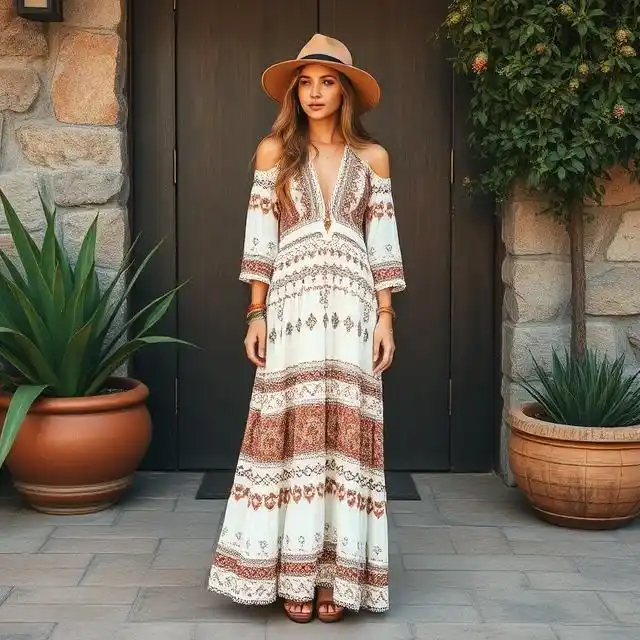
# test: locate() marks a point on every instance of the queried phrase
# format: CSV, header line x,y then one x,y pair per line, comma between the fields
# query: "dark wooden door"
x,y
222,113
193,86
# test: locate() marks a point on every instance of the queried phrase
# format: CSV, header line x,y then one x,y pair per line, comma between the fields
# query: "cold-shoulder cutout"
x,y
268,154
376,159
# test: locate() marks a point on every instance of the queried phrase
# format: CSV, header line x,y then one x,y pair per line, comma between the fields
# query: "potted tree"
x,y
72,432
555,108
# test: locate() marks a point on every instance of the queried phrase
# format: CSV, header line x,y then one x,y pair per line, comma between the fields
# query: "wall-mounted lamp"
x,y
40,10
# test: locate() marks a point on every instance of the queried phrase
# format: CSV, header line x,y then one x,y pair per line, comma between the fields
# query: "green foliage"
x,y
556,91
57,332
587,392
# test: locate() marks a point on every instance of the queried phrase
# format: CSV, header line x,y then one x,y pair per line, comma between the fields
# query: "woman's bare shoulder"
x,y
377,157
268,154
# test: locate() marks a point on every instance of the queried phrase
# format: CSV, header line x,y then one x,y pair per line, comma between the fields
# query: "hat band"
x,y
322,56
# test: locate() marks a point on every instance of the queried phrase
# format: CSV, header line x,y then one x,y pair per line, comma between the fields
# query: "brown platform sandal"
x,y
301,617
325,599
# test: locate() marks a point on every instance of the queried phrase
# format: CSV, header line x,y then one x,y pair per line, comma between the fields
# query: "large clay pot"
x,y
580,477
77,455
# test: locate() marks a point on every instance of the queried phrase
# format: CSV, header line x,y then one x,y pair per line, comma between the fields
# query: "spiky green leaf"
x,y
19,406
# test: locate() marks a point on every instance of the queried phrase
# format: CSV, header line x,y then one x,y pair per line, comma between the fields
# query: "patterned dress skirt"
x,y
308,506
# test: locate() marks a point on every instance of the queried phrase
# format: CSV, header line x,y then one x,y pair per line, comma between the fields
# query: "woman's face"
x,y
319,91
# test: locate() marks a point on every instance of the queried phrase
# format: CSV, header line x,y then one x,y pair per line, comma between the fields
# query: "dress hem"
x,y
272,599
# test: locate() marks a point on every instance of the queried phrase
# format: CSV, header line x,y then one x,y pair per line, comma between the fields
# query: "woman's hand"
x,y
255,341
383,343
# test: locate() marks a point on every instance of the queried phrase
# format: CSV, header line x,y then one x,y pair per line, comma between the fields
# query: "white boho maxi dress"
x,y
308,506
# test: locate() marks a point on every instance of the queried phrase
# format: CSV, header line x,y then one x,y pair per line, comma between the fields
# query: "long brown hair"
x,y
291,130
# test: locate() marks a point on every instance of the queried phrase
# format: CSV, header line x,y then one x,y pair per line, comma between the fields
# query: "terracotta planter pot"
x,y
580,477
77,455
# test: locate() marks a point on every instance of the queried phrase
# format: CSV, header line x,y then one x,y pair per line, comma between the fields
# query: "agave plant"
x,y
57,332
589,392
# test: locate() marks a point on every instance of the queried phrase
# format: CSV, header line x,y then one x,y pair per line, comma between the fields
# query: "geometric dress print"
x,y
308,505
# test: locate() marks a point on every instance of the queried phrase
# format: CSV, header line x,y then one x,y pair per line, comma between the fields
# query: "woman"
x,y
307,512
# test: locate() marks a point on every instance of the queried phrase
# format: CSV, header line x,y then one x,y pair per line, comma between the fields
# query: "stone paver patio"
x,y
468,562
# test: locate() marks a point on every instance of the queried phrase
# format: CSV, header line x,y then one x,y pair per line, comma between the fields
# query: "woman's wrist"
x,y
385,321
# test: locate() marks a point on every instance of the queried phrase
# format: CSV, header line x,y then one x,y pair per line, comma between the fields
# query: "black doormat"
x,y
400,486
216,485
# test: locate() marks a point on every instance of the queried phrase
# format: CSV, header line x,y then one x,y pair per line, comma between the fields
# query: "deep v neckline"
x,y
328,208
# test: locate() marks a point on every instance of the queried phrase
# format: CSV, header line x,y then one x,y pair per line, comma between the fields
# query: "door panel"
x,y
152,201
222,49
413,121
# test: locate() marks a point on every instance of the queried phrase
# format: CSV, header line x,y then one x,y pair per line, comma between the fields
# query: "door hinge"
x,y
174,4
175,166
450,396
175,395
451,165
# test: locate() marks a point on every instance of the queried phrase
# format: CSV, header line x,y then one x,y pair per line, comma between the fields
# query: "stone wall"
x,y
537,283
62,123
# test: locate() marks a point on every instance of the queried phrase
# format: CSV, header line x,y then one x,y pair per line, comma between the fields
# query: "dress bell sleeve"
x,y
261,229
383,245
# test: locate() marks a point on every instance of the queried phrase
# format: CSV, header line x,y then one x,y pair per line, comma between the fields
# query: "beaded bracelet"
x,y
388,310
255,311
257,314
255,306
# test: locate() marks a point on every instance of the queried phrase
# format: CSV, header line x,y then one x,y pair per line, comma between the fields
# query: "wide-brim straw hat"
x,y
330,53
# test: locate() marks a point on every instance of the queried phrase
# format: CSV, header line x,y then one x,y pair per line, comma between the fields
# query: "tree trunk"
x,y
578,280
